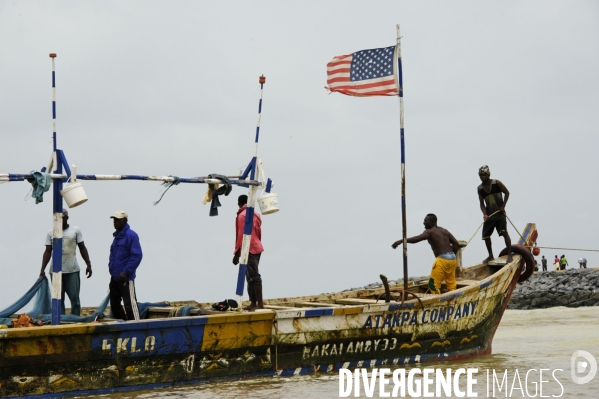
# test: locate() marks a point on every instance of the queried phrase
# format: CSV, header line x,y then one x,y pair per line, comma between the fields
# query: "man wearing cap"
x,y
125,257
493,196
71,283
252,274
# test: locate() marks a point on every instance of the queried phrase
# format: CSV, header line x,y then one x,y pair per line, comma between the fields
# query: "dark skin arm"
x,y
45,259
85,256
413,240
236,257
437,238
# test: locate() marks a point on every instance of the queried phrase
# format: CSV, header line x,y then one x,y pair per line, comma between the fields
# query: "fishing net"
x,y
42,306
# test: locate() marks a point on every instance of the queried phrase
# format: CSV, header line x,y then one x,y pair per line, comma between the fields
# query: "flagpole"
x,y
403,166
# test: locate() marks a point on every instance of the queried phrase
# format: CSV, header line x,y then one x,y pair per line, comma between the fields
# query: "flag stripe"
x,y
365,84
339,78
339,72
356,93
335,63
367,91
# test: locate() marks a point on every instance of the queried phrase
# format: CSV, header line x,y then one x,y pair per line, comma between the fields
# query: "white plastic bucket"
x,y
268,203
74,195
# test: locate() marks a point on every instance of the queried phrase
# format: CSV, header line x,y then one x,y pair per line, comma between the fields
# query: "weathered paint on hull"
x,y
407,334
53,361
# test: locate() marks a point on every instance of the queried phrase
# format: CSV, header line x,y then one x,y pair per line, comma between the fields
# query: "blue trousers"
x,y
71,284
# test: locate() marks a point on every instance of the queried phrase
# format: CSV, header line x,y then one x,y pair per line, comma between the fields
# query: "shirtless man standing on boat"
x,y
444,246
493,196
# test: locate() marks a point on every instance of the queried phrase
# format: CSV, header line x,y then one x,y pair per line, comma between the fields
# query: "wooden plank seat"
x,y
278,307
359,301
316,304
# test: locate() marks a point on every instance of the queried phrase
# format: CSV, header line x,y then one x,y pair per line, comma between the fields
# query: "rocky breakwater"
x,y
572,288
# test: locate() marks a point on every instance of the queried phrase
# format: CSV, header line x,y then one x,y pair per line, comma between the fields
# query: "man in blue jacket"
x,y
125,257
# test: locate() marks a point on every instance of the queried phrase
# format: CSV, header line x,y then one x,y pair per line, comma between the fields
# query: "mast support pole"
x,y
56,272
403,164
249,212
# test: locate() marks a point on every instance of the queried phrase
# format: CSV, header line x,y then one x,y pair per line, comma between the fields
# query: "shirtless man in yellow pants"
x,y
444,246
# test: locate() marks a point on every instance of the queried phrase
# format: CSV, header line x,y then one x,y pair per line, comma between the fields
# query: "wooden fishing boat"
x,y
293,336
319,333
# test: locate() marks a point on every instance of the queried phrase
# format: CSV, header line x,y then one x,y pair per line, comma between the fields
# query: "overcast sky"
x,y
171,88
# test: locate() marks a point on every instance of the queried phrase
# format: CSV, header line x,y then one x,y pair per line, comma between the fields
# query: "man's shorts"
x,y
498,224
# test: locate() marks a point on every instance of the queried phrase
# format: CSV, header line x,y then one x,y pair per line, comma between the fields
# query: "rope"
x,y
168,185
572,249
481,225
522,238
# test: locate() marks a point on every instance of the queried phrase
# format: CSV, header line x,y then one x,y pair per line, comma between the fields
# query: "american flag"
x,y
364,73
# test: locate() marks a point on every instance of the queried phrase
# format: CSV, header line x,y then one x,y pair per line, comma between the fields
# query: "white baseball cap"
x,y
120,215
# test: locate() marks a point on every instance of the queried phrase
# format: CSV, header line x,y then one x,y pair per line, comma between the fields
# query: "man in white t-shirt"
x,y
71,239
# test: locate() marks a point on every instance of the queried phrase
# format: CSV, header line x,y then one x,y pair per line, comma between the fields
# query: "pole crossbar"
x,y
8,177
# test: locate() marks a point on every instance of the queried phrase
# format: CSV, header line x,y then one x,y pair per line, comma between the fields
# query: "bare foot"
x,y
250,307
490,258
509,258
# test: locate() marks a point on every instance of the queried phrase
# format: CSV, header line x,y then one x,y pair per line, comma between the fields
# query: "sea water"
x,y
526,340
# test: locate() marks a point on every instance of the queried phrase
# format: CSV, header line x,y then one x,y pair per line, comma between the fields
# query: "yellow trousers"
x,y
443,269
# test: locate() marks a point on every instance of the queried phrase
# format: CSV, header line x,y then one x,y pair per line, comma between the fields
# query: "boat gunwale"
x,y
484,283
266,314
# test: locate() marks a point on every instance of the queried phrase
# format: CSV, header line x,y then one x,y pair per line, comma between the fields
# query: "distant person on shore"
x,y
71,282
563,262
125,257
582,263
252,275
544,263
493,197
556,263
444,246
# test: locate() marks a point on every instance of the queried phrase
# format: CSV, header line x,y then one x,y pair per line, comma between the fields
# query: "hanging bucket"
x,y
74,195
268,203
